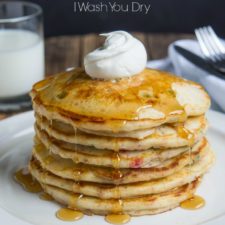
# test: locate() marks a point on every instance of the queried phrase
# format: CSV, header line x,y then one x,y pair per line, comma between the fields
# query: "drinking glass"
x,y
21,52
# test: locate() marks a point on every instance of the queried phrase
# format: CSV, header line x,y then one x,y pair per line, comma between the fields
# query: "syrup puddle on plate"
x,y
117,218
66,214
195,202
24,178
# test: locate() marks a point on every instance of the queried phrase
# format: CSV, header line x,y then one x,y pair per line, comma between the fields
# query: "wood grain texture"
x,y
3,116
61,53
158,43
68,51
88,44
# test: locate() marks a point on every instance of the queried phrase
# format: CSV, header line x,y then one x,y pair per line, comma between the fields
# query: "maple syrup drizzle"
x,y
74,200
77,175
117,192
189,136
116,173
66,214
117,218
115,125
49,159
116,160
73,203
76,154
118,207
116,145
25,179
195,202
185,134
41,120
46,197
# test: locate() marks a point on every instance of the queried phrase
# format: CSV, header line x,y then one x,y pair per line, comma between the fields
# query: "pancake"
x,y
127,205
163,137
67,128
115,126
151,94
104,191
67,169
100,157
194,122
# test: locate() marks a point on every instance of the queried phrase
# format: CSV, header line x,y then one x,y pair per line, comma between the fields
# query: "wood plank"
x,y
3,116
158,43
88,43
61,53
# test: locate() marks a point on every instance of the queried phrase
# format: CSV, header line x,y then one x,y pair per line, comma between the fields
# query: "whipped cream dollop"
x,y
121,55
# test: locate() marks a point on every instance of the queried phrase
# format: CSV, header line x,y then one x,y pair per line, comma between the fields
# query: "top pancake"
x,y
152,94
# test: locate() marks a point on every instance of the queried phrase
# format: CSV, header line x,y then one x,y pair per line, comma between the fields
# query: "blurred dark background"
x,y
179,16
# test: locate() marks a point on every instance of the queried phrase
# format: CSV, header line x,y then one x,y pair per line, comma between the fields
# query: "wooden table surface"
x,y
68,51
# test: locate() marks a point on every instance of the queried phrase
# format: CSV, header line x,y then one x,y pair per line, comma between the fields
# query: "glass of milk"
x,y
21,51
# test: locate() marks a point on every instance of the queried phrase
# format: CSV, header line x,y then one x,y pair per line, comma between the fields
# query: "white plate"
x,y
22,208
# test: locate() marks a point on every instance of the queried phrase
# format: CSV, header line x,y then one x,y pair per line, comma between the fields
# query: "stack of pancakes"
x,y
134,145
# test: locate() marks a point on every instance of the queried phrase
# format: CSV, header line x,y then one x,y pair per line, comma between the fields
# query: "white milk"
x,y
21,61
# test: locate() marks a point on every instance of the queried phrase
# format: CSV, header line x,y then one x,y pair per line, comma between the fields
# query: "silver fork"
x,y
212,47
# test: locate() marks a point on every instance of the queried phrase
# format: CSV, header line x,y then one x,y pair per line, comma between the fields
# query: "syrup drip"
x,y
46,197
117,191
117,218
68,214
195,202
185,134
41,120
190,159
73,201
77,175
116,175
188,135
49,159
118,207
116,145
115,125
27,181
116,160
75,135
77,172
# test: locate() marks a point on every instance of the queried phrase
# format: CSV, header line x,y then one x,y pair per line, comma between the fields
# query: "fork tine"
x,y
211,39
216,39
201,43
216,43
212,48
205,46
215,52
